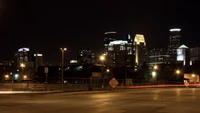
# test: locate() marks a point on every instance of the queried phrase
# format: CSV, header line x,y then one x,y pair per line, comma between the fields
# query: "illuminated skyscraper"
x,y
22,55
174,43
120,53
183,55
109,36
140,50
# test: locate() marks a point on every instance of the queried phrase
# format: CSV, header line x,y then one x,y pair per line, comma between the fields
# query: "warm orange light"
x,y
178,71
25,76
155,67
102,57
22,65
6,76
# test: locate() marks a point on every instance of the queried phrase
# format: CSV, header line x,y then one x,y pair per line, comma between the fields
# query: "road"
x,y
155,100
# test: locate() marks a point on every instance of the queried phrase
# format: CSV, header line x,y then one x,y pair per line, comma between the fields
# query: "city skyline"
x,y
45,29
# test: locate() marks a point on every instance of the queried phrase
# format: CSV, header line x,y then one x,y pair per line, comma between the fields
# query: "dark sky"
x,y
47,25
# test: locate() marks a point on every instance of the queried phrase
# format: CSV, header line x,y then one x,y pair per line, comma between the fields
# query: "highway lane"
x,y
152,100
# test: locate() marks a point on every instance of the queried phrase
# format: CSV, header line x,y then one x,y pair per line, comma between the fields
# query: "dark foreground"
x,y
166,100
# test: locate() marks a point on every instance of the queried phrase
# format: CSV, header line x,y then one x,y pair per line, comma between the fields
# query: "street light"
x,y
108,70
6,77
22,65
193,75
154,74
178,71
102,58
62,50
155,67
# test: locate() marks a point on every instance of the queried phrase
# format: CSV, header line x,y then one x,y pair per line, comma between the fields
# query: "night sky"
x,y
47,25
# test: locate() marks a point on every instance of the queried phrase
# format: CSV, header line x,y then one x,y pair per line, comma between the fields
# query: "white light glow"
x,y
175,29
111,32
183,47
117,42
23,49
37,55
73,61
16,75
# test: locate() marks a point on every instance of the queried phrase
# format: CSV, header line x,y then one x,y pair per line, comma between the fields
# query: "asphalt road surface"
x,y
155,100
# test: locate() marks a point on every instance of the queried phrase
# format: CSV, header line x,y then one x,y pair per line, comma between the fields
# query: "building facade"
x,y
85,56
158,56
38,61
108,37
183,55
140,50
174,44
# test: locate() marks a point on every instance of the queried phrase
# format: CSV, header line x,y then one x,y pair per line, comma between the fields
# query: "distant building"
x,y
38,61
183,55
120,53
158,56
85,56
174,43
140,50
109,36
24,64
6,70
22,55
195,54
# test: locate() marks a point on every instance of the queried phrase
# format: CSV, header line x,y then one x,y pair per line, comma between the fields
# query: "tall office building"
x,y
140,50
119,54
22,55
109,36
38,61
24,64
174,43
183,55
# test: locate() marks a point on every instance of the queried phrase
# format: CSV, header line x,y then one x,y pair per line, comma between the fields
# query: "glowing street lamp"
x,y
6,77
155,67
193,75
154,74
178,71
22,65
108,70
102,58
25,76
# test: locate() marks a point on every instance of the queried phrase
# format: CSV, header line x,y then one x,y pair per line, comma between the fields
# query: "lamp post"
x,y
154,73
22,65
62,50
178,73
102,58
193,76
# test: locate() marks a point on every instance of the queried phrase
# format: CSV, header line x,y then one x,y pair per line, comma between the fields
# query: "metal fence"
x,y
75,84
